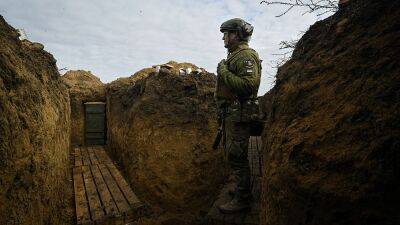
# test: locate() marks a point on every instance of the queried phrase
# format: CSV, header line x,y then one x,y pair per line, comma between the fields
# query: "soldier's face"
x,y
229,39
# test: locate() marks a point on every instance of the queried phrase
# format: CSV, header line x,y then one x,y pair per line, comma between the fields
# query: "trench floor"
x,y
250,217
102,195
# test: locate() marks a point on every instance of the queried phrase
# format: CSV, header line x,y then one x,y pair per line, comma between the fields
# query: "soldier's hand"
x,y
221,66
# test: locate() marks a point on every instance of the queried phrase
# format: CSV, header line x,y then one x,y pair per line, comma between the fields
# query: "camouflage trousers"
x,y
237,130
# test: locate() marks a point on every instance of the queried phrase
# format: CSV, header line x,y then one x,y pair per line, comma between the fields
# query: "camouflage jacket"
x,y
239,75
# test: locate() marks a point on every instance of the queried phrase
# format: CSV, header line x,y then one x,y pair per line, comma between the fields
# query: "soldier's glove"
x,y
222,70
221,67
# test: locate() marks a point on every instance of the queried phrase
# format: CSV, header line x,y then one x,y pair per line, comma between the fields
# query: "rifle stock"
x,y
218,138
221,128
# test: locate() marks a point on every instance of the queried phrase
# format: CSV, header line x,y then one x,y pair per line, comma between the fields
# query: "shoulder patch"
x,y
248,63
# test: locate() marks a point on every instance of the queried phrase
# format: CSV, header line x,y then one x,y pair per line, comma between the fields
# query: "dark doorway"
x,y
95,123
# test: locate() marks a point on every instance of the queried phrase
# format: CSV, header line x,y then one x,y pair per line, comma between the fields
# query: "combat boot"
x,y
234,206
232,191
233,180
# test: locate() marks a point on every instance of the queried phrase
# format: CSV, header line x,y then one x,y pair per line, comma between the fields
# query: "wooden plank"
x,y
235,218
260,158
250,155
257,142
85,156
96,151
96,211
87,148
124,186
95,156
104,156
116,193
105,195
101,154
82,155
255,158
77,156
92,156
251,218
81,204
251,141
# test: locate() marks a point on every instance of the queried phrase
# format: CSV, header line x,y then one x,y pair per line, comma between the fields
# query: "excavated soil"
x,y
83,87
34,135
161,128
332,135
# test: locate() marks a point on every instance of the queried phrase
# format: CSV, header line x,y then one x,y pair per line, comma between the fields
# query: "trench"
x,y
332,134
103,196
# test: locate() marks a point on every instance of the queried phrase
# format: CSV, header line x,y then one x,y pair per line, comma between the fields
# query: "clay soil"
x,y
332,136
34,135
330,143
161,128
83,87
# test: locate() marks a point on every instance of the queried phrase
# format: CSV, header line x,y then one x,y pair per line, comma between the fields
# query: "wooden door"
x,y
95,123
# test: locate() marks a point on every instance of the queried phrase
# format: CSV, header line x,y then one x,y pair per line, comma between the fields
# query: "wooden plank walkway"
x,y
102,195
250,217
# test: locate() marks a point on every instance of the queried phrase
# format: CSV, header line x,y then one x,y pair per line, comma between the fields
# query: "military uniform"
x,y
237,86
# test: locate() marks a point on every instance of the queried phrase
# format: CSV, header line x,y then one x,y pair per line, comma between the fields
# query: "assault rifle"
x,y
221,129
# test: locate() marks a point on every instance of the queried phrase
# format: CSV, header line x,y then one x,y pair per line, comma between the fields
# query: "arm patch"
x,y
248,63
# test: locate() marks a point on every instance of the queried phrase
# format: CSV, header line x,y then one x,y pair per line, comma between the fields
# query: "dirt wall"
x,y
83,87
332,135
161,128
34,135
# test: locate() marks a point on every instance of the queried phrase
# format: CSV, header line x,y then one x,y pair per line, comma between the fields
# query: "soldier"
x,y
237,86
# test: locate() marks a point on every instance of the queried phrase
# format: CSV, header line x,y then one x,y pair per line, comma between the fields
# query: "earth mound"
x,y
332,134
34,135
83,87
160,128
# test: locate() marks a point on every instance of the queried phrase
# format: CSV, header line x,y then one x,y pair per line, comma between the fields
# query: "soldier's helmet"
x,y
244,29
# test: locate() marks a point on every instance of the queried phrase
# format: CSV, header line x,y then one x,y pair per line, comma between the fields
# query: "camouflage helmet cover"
x,y
244,29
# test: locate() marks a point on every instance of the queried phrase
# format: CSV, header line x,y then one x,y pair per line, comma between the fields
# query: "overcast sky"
x,y
117,38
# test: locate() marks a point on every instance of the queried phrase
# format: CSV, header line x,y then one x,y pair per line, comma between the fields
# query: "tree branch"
x,y
318,6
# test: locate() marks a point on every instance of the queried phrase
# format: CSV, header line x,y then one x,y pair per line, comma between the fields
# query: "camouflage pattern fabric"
x,y
238,81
